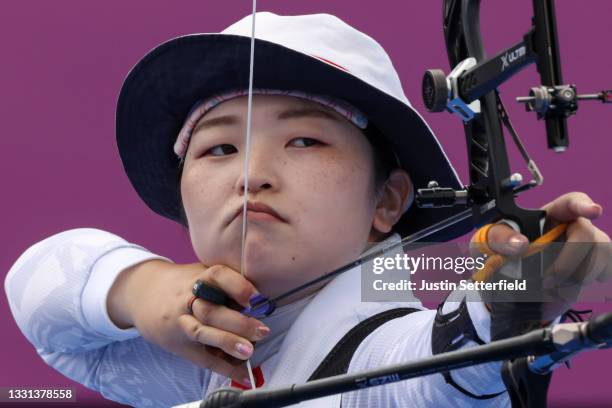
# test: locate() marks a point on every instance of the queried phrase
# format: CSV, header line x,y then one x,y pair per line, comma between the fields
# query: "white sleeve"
x,y
133,372
57,293
409,338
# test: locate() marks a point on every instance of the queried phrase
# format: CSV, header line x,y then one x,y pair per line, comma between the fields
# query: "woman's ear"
x,y
392,201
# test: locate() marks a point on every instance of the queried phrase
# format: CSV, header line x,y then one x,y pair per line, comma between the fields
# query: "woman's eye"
x,y
304,142
221,150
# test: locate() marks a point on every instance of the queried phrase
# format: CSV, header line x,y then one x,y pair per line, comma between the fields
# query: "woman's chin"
x,y
271,280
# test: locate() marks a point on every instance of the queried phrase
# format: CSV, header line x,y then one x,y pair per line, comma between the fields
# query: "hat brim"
x,y
159,91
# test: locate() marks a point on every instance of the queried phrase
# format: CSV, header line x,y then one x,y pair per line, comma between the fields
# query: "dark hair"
x,y
182,215
384,161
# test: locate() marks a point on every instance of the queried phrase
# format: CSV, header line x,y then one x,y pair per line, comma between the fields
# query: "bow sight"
x,y
474,76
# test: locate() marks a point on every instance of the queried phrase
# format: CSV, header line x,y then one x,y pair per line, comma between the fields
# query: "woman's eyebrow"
x,y
226,120
229,120
306,112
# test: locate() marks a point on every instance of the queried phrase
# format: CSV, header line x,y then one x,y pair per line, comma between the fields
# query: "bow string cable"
x,y
247,150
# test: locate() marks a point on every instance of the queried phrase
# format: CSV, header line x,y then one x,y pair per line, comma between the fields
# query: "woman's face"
x,y
311,186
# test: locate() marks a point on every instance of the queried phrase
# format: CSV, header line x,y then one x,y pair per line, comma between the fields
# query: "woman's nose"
x,y
261,173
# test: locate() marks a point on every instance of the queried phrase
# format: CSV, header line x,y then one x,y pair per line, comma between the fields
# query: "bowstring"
x,y
247,150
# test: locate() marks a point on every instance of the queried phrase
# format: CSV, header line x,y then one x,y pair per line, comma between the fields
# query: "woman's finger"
x,y
599,258
504,240
229,320
606,274
580,236
231,343
570,206
231,282
203,357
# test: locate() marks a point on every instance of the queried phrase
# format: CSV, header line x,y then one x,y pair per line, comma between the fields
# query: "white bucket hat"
x,y
317,54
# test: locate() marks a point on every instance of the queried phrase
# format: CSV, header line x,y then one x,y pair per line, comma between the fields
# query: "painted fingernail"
x,y
597,207
244,349
261,332
516,243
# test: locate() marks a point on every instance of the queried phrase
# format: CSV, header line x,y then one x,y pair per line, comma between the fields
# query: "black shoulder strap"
x,y
450,332
338,360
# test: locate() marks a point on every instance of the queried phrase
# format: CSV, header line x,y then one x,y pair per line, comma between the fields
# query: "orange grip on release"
x,y
496,261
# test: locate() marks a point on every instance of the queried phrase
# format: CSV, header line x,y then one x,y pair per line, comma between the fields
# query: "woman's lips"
x,y
261,216
259,212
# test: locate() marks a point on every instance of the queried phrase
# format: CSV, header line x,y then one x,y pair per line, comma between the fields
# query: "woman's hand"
x,y
576,265
153,297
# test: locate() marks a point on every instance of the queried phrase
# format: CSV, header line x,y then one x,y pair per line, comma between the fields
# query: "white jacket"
x,y
57,293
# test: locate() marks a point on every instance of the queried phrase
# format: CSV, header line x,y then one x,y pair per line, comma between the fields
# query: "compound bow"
x,y
470,91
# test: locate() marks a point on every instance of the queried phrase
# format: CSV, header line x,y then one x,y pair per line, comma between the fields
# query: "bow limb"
x,y
492,188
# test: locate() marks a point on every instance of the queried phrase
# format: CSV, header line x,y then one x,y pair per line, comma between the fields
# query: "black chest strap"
x,y
338,360
451,332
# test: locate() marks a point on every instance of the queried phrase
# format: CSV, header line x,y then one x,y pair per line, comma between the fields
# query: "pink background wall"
x,y
62,67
